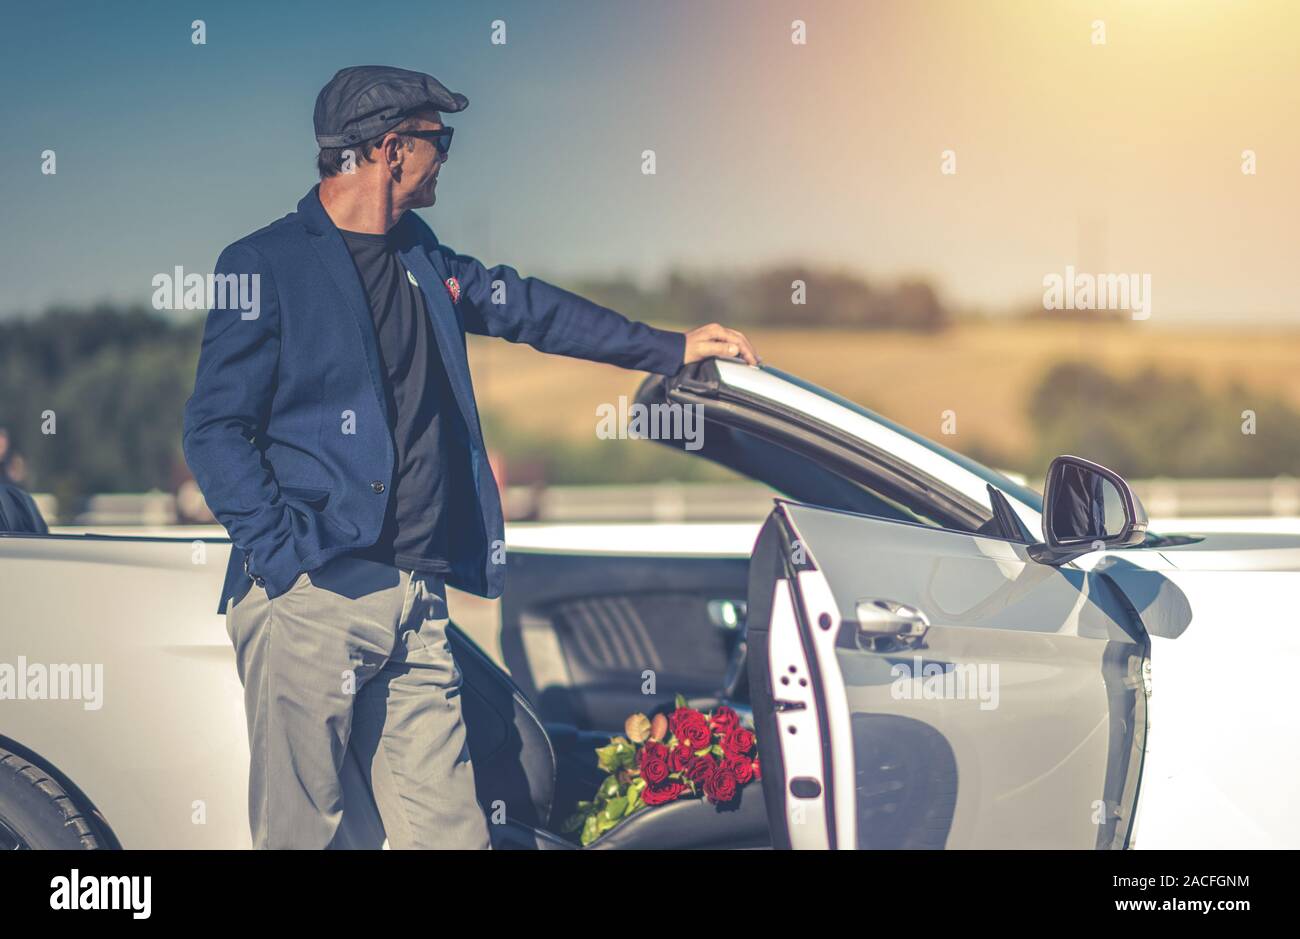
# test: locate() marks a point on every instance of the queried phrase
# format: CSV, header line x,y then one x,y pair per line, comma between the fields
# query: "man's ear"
x,y
392,153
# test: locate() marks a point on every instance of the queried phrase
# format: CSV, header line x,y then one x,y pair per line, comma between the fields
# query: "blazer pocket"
x,y
313,498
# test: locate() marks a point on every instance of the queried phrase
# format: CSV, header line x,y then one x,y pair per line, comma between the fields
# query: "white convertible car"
x,y
932,655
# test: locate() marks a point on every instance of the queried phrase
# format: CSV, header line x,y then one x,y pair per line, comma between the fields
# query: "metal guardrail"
x,y
681,502
125,508
660,502
1211,498
1163,498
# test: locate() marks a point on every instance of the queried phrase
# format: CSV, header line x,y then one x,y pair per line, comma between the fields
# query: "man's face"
x,y
420,164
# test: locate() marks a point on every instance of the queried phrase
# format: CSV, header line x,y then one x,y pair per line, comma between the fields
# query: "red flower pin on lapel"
x,y
453,288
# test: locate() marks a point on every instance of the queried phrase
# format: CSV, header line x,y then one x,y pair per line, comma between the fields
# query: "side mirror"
x,y
1086,507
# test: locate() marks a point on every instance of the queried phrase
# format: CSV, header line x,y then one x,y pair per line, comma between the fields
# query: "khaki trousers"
x,y
354,712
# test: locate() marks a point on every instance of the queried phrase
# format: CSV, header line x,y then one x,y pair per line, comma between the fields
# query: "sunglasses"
x,y
439,138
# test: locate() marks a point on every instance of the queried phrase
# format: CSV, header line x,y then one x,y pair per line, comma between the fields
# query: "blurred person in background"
x,y
18,511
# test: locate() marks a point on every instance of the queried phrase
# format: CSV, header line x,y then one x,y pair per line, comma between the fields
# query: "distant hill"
x,y
989,374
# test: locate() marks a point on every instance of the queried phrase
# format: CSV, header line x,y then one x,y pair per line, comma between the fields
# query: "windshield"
x,y
1008,485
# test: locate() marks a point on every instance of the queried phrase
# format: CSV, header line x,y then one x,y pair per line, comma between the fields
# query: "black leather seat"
x,y
531,776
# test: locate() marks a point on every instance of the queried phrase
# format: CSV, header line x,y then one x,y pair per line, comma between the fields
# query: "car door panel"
x,y
795,727
1017,721
581,632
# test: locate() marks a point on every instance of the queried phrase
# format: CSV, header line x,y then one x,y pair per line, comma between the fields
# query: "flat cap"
x,y
364,101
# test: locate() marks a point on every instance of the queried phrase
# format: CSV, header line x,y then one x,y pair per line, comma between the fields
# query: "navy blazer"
x,y
287,431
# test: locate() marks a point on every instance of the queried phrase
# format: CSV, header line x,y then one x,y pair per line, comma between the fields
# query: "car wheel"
x,y
37,813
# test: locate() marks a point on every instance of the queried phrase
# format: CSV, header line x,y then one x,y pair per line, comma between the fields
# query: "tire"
x,y
37,813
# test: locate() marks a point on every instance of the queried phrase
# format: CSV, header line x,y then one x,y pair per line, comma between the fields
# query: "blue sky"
x,y
1124,156
167,151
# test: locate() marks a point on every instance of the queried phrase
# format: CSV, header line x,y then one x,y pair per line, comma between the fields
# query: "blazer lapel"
x,y
337,260
431,274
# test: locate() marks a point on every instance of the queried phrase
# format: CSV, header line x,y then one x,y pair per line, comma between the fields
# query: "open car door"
x,y
915,687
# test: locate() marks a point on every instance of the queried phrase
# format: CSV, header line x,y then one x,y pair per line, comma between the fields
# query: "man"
x,y
333,431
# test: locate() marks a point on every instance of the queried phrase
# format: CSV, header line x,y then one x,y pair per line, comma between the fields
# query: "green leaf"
x,y
590,830
606,757
619,754
609,788
680,700
614,809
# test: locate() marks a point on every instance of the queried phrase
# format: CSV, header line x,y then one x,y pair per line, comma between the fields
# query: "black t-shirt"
x,y
414,534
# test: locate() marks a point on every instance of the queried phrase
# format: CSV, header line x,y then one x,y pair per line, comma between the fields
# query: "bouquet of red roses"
x,y
672,756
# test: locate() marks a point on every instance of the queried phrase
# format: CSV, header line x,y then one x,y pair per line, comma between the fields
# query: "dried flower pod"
x,y
637,728
659,727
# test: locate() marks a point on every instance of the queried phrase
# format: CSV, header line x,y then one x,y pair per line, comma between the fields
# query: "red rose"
x,y
742,768
721,786
701,768
723,720
652,750
758,770
654,770
680,758
691,727
738,742
658,795
681,714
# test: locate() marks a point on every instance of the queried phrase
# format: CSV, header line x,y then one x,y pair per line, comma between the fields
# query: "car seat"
x,y
532,775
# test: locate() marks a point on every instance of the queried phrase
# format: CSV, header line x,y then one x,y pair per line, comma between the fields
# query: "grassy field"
x,y
982,372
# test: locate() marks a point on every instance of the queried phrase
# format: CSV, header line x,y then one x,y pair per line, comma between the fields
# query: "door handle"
x,y
884,624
